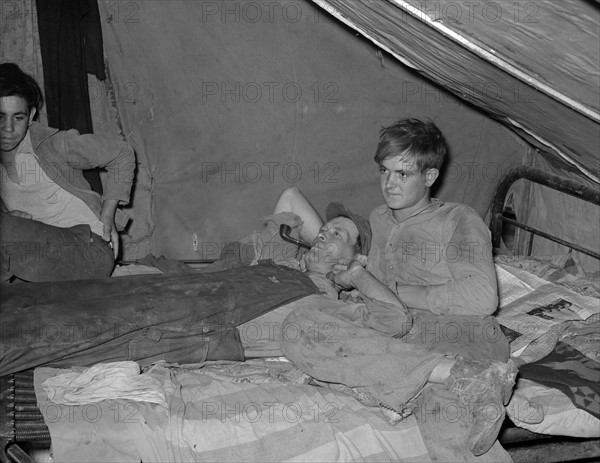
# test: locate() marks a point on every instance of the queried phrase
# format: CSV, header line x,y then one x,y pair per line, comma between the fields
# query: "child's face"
x,y
403,185
15,118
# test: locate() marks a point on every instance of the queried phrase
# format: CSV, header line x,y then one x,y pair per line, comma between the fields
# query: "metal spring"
x,y
26,407
28,415
27,435
25,421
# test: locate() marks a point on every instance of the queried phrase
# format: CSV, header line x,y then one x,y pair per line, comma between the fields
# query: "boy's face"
x,y
335,240
402,183
15,118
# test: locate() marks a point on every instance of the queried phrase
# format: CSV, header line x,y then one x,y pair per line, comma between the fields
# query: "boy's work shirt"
x,y
37,194
445,247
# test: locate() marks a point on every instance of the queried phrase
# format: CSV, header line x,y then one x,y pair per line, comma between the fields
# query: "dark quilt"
x,y
568,370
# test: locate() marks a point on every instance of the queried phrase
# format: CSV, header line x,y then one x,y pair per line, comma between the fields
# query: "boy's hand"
x,y
345,278
343,264
107,217
110,234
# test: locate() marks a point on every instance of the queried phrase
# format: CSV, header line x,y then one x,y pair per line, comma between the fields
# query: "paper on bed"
x,y
543,312
512,285
546,306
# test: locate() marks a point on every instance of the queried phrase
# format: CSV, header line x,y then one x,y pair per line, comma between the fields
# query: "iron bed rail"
x,y
570,187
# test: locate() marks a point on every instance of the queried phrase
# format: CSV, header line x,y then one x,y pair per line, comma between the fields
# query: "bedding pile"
x,y
550,311
227,411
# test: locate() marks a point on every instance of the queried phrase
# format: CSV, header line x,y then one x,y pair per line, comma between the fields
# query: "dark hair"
x,y
412,137
14,82
358,246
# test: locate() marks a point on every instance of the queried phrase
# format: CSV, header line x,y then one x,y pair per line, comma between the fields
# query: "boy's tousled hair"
x,y
420,140
14,82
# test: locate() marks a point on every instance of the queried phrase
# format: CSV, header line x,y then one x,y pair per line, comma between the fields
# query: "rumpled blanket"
x,y
117,380
564,357
230,412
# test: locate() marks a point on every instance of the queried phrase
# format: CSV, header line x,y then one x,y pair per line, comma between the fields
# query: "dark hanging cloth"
x,y
93,45
71,47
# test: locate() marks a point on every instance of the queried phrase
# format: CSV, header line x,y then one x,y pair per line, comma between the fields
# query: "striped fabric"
x,y
229,412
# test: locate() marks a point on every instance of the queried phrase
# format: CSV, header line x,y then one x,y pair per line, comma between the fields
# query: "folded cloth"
x,y
117,380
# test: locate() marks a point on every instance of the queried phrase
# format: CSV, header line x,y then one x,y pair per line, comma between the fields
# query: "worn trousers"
x,y
34,251
326,344
185,318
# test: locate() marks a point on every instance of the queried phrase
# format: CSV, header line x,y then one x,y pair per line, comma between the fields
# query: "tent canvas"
x,y
229,102
532,65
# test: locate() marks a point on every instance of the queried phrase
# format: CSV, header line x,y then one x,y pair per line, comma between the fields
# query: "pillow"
x,y
546,410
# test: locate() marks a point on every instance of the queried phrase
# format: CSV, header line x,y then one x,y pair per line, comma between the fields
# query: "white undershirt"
x,y
38,195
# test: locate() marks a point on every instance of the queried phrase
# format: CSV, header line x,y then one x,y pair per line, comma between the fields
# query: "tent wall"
x,y
564,216
19,37
207,91
228,103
